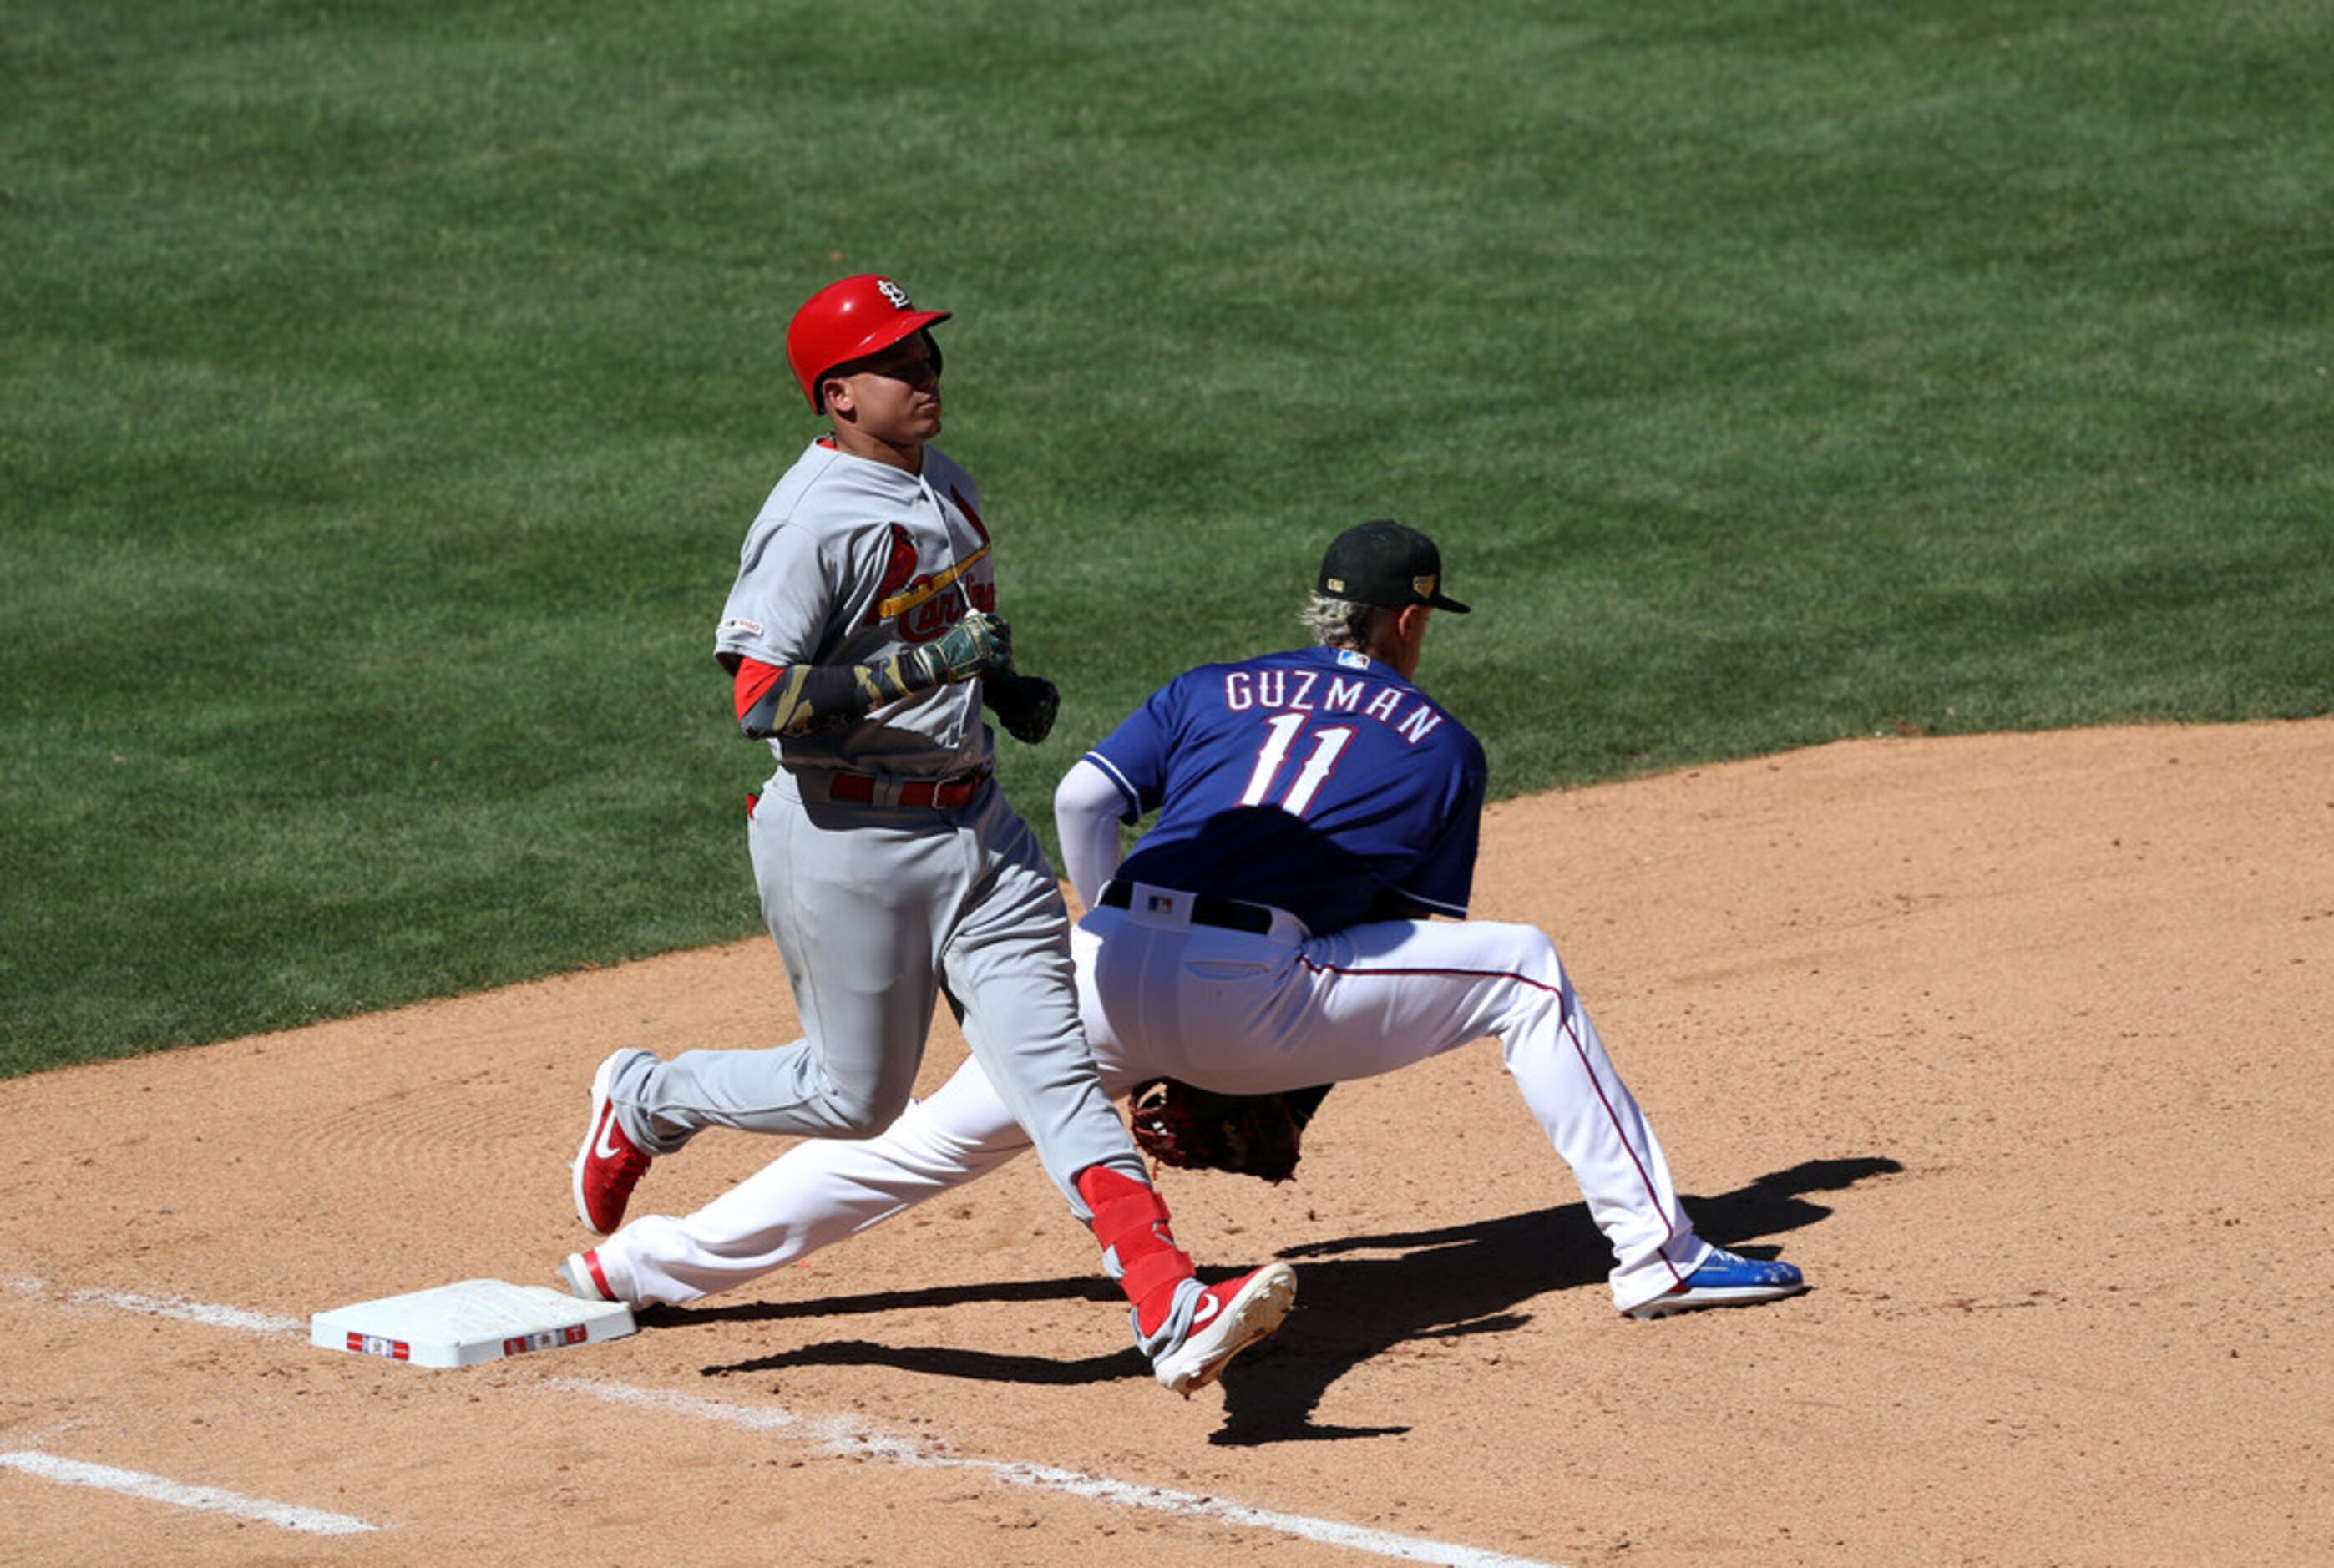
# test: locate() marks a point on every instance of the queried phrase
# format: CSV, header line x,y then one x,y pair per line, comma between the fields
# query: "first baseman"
x,y
862,637
1272,932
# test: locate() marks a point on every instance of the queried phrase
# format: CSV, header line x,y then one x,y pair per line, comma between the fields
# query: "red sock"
x,y
1130,1217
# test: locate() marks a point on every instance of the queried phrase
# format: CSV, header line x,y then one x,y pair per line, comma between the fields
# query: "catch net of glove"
x,y
1194,1128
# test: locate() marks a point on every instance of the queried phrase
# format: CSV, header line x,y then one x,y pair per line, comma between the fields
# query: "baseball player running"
x,y
1271,933
863,641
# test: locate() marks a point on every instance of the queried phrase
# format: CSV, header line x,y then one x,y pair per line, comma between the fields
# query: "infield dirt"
x,y
2017,1044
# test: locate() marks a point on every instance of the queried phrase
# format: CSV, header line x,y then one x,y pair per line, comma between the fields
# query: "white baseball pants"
x,y
1239,1013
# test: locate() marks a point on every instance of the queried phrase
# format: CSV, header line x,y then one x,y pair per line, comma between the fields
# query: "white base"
x,y
460,1325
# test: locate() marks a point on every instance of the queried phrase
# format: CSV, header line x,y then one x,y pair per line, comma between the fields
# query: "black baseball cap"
x,y
1383,563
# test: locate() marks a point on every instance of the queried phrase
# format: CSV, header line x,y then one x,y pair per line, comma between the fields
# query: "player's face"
x,y
892,397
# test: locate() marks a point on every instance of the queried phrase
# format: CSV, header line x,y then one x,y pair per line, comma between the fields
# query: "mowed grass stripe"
x,y
383,394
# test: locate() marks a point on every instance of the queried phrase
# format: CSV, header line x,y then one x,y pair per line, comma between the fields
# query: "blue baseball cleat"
x,y
1724,1280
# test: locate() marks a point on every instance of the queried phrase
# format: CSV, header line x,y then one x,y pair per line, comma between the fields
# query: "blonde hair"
x,y
1342,623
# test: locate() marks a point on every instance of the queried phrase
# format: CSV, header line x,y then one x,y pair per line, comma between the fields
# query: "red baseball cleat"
x,y
608,1164
1230,1317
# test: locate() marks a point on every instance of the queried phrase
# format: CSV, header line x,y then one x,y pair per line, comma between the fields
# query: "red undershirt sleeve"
x,y
795,698
754,679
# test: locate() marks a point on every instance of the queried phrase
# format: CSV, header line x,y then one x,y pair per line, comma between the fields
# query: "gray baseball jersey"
x,y
849,561
874,905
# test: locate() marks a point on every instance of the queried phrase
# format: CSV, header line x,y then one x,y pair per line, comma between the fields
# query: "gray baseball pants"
x,y
873,907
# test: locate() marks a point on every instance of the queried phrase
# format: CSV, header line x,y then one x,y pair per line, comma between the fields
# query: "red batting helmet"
x,y
849,320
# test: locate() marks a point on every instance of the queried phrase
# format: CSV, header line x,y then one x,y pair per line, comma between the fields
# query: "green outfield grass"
x,y
384,389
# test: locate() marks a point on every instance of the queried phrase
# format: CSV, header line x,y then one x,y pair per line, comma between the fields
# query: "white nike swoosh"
x,y
605,1150
1208,1307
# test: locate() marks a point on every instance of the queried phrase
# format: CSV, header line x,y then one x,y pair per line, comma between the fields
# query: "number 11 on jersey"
x,y
1327,745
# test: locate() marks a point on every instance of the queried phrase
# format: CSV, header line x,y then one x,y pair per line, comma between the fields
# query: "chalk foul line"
x,y
161,1489
842,1436
165,1306
839,1435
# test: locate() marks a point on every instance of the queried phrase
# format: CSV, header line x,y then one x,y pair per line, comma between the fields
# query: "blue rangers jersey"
x,y
1319,781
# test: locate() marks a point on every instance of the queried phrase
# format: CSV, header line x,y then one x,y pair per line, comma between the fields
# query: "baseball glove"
x,y
1258,1135
1026,704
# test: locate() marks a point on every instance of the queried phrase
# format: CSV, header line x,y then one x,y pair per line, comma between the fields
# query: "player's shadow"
x,y
1457,1280
1469,1279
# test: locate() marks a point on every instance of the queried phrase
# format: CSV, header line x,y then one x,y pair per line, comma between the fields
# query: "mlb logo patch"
x,y
1352,660
1159,904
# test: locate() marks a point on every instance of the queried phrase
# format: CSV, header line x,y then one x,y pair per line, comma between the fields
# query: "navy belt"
x,y
1229,914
